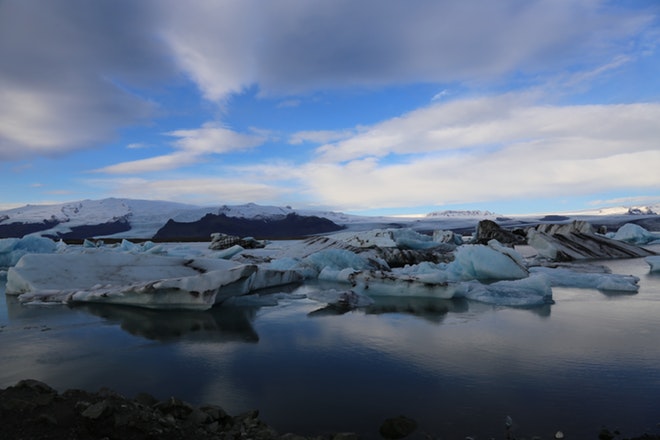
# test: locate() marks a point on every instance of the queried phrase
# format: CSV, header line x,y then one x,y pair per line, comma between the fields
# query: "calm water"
x,y
457,367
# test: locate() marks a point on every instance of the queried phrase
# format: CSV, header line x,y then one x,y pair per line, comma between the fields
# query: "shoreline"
x,y
31,409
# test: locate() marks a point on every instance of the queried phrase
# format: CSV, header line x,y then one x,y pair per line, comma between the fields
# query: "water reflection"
x,y
430,309
219,324
433,310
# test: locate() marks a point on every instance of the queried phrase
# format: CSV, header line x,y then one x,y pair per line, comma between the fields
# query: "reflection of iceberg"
x,y
219,324
431,309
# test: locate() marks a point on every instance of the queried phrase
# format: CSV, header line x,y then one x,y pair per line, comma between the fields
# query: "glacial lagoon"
x,y
458,367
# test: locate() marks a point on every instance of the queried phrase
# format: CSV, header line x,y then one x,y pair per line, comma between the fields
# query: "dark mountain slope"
x,y
291,226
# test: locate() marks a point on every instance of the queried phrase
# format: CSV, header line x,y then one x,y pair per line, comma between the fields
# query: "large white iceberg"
x,y
139,279
492,262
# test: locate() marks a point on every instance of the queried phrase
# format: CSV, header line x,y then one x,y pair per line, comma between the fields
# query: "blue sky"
x,y
370,106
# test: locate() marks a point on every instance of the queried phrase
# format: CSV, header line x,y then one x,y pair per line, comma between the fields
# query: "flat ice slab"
x,y
124,278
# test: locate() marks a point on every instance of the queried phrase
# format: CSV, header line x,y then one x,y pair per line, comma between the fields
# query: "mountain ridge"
x,y
138,218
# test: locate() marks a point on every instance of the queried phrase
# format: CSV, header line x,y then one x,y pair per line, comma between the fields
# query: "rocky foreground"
x,y
32,410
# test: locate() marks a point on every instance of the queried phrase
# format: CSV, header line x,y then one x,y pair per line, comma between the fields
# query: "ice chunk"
x,y
391,284
442,236
565,277
654,262
635,234
125,278
229,252
334,260
532,291
404,238
12,249
492,262
344,299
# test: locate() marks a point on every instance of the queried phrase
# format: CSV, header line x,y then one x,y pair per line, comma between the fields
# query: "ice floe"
x,y
532,291
138,279
567,277
359,267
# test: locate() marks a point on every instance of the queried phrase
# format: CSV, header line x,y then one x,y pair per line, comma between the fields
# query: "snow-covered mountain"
x,y
115,217
462,214
131,218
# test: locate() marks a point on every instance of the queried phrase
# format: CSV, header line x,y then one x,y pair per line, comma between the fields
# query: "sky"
x,y
370,107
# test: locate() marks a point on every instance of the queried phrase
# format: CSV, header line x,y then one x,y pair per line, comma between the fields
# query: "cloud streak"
x,y
191,146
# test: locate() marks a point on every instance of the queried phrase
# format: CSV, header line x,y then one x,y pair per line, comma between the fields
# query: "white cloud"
x,y
195,190
192,146
507,120
503,147
212,138
490,149
319,136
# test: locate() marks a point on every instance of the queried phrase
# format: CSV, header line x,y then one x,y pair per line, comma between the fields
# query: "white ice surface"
x,y
654,262
635,234
124,278
532,291
565,277
492,262
12,249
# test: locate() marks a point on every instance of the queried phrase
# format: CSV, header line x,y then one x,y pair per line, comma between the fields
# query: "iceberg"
x,y
635,234
532,291
391,284
654,262
404,238
12,249
565,277
491,262
341,299
141,279
578,241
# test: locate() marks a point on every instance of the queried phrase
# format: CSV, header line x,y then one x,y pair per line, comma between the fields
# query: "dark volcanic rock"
x,y
397,427
90,231
291,226
554,218
20,230
489,230
33,410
